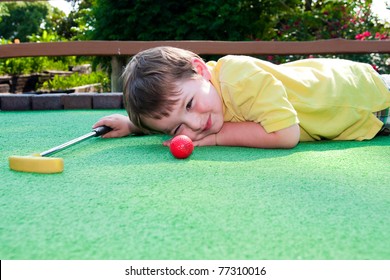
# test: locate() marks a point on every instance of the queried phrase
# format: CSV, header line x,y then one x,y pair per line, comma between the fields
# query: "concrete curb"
x,y
58,101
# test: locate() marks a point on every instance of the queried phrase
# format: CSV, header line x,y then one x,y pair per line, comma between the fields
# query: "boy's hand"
x,y
120,124
209,140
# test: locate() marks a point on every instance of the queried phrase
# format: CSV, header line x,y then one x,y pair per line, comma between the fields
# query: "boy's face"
x,y
197,114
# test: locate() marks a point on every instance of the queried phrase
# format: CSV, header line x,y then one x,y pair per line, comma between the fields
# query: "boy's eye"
x,y
189,104
176,130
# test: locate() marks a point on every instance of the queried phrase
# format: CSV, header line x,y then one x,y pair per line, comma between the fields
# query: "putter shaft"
x,y
96,132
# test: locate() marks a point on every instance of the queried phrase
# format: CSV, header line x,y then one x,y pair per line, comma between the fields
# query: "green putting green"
x,y
129,198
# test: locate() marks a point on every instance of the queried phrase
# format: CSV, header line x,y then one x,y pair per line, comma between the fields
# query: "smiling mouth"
x,y
208,124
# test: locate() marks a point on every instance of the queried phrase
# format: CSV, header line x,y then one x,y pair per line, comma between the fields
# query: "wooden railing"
x,y
117,49
128,48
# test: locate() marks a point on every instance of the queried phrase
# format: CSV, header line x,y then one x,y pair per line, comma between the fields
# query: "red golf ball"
x,y
181,146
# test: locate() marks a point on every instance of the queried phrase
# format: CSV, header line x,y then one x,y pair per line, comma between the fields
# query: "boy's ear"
x,y
201,68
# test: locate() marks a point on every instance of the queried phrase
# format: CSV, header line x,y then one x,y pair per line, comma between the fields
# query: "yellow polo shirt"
x,y
329,98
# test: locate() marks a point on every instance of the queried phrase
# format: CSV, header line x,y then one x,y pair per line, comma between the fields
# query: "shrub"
x,y
75,80
29,65
334,19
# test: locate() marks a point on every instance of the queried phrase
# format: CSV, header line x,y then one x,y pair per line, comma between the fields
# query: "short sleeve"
x,y
256,95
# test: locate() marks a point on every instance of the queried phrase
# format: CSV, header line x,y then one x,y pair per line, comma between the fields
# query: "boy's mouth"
x,y
208,124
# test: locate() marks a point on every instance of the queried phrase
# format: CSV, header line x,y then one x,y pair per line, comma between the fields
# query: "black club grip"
x,y
100,130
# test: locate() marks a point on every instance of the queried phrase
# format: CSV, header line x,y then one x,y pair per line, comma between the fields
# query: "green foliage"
x,y
83,20
46,24
15,25
348,19
3,11
77,24
281,20
45,36
75,80
27,65
184,20
327,20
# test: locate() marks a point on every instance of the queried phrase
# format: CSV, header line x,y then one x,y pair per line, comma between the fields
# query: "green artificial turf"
x,y
128,198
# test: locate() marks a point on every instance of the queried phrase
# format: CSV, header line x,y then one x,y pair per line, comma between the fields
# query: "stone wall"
x,y
28,82
58,101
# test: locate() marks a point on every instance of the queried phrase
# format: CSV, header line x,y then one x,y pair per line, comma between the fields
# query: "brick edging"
x,y
59,101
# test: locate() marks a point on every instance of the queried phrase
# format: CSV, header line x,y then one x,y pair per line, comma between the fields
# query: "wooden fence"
x,y
118,50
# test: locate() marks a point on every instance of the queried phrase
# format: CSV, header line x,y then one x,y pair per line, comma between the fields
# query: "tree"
x,y
315,20
3,11
185,20
13,23
79,23
348,19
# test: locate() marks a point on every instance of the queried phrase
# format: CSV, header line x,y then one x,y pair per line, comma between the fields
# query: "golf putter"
x,y
40,163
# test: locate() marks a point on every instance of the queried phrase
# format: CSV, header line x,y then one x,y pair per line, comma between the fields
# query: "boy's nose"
x,y
194,123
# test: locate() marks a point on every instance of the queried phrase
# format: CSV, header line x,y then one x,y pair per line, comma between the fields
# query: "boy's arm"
x,y
120,124
251,134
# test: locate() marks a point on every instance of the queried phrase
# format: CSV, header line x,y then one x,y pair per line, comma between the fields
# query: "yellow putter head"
x,y
36,164
39,163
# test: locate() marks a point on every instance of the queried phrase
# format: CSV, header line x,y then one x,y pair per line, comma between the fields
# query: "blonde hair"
x,y
150,82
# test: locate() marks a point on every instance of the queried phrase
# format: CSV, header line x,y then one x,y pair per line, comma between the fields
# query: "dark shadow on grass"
x,y
250,154
149,150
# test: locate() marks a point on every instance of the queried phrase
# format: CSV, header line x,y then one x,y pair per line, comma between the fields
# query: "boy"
x,y
244,101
